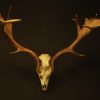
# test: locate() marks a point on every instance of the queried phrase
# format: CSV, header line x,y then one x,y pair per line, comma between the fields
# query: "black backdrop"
x,y
46,27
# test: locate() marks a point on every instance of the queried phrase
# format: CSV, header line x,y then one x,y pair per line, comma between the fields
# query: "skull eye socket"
x,y
48,77
40,77
39,71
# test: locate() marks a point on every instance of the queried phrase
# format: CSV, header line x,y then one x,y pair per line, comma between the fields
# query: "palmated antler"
x,y
89,24
8,32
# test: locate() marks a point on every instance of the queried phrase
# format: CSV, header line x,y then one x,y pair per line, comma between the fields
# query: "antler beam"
x,y
8,32
89,24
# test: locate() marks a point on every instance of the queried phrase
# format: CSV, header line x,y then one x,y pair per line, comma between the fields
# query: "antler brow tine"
x,y
89,24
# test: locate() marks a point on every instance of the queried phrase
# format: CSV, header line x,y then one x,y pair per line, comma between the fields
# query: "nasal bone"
x,y
44,87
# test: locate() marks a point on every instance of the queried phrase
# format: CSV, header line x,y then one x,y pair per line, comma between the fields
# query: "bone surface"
x,y
45,70
45,58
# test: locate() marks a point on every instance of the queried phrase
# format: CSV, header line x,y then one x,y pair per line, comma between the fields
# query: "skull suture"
x,y
44,70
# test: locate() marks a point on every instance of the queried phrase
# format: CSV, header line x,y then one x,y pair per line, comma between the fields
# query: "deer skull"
x,y
44,70
45,62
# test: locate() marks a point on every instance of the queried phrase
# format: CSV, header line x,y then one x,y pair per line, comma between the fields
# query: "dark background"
x,y
47,27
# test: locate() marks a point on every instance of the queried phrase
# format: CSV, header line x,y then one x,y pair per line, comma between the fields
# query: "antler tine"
x,y
8,31
77,22
9,11
2,21
89,24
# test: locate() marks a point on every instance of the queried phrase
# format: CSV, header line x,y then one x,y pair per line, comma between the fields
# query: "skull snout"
x,y
44,87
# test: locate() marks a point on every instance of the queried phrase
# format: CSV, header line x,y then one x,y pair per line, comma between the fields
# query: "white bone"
x,y
45,58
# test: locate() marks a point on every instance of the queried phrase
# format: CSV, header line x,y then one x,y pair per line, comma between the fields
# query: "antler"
x,y
89,24
8,32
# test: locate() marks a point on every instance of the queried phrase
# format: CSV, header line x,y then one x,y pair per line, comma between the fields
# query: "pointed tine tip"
x,y
78,54
17,19
82,55
74,19
13,52
12,20
96,14
9,11
76,15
